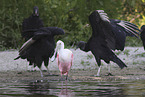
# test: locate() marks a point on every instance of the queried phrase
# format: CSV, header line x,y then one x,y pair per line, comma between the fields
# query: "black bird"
x,y
31,24
40,47
142,35
121,29
107,35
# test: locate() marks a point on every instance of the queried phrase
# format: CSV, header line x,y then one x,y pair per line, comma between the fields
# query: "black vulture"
x,y
107,35
31,24
40,47
142,35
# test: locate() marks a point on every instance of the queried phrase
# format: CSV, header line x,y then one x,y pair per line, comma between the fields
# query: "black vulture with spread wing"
x,y
31,24
40,47
107,35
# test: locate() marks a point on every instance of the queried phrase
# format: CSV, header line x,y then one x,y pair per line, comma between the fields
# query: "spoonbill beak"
x,y
54,55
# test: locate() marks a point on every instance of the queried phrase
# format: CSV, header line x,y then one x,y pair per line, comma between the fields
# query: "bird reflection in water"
x,y
39,88
65,92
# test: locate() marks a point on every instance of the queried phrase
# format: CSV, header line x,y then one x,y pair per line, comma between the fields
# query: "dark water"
x,y
73,89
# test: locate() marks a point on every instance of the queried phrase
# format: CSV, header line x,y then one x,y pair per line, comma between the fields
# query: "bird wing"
x,y
58,59
130,28
71,63
98,43
120,37
41,33
26,45
107,55
101,51
114,31
29,30
101,27
142,35
55,30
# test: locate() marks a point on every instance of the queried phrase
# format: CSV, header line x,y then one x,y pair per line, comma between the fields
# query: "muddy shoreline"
x,y
84,67
75,75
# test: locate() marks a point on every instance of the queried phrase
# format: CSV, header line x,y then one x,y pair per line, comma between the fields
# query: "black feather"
x,y
142,35
40,47
31,24
103,40
129,28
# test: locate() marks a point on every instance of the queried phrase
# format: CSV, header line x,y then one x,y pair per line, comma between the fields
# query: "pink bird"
x,y
64,58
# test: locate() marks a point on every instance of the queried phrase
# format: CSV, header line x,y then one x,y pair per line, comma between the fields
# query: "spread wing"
x,y
129,28
114,31
103,39
142,35
41,33
55,30
101,27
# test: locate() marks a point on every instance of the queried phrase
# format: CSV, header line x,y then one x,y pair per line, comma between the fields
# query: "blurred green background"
x,y
71,15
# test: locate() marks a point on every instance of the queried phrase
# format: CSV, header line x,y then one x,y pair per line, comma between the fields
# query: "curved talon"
x,y
109,74
38,81
96,75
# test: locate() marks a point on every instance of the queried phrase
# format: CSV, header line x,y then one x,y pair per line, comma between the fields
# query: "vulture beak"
x,y
36,13
76,47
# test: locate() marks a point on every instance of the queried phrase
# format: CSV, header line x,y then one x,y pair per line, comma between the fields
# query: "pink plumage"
x,y
64,58
64,65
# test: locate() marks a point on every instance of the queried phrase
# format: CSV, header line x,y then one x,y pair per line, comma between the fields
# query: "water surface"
x,y
73,89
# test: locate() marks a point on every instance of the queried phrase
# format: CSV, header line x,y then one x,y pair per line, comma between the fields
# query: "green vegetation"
x,y
85,63
71,15
126,52
138,62
118,52
140,55
89,56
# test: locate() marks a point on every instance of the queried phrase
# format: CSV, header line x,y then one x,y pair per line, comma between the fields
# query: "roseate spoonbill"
x,y
107,35
64,58
40,47
31,24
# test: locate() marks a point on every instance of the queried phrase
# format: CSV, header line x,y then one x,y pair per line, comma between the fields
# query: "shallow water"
x,y
73,89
